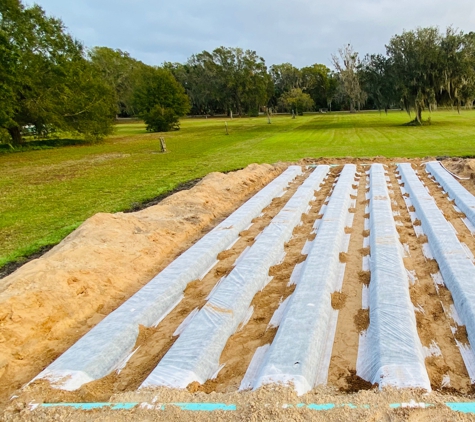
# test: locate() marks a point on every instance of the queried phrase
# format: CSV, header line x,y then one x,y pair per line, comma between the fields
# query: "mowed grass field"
x,y
45,194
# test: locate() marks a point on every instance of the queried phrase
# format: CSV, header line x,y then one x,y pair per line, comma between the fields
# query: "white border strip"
x,y
391,353
455,266
195,355
98,352
297,354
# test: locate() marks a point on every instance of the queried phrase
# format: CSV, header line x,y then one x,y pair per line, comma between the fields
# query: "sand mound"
x,y
463,167
47,304
270,403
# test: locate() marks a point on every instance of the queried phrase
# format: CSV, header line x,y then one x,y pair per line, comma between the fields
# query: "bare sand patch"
x,y
50,302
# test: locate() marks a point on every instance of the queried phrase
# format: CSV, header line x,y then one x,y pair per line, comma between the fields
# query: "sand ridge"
x,y
342,368
49,303
344,385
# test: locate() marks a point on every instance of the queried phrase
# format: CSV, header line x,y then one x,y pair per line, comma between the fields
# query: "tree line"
x,y
421,70
50,82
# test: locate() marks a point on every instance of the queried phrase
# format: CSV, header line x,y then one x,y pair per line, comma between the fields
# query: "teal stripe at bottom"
x,y
468,407
462,407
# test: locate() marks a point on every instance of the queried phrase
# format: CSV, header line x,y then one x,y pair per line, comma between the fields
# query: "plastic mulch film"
x,y
195,354
108,344
455,265
463,198
299,347
390,351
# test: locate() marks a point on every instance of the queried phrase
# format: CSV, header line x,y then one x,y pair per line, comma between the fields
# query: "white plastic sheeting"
x,y
106,345
195,355
390,352
299,349
463,198
455,266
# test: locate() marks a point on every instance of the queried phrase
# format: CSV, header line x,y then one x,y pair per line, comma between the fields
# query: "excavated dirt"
x,y
355,383
257,332
49,303
342,371
343,257
338,300
433,325
41,323
361,321
266,404
364,276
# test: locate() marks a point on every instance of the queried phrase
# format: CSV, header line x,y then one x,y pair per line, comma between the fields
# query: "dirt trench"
x,y
342,370
242,345
433,325
430,301
50,302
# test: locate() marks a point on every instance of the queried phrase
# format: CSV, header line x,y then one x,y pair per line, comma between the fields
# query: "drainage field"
x,y
335,279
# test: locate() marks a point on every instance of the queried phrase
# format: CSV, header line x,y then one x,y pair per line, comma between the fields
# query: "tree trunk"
x,y
15,133
419,114
163,146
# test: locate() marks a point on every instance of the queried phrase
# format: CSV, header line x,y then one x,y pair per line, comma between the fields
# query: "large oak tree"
x,y
46,80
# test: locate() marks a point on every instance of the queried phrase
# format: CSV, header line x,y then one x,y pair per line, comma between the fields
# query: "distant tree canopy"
x,y
347,64
423,69
120,71
49,82
297,101
285,77
46,80
159,99
227,80
320,83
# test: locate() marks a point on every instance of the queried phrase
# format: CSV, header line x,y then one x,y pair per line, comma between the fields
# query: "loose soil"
x,y
241,346
361,321
433,325
49,303
270,403
342,371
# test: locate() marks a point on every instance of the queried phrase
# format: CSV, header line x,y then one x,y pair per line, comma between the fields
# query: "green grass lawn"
x,y
45,194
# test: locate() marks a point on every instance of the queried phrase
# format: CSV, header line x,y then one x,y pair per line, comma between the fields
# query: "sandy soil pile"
x,y
58,298
464,168
49,303
266,404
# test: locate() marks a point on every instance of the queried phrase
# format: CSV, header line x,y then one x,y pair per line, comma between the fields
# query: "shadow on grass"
x,y
359,121
12,266
41,144
137,206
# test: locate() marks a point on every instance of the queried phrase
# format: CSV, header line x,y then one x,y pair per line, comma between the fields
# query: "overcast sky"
x,y
301,32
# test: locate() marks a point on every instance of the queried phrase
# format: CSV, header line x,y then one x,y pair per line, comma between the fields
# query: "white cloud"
x,y
298,31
